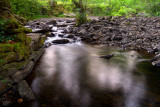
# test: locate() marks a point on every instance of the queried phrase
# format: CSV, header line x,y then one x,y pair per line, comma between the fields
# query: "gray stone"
x,y
156,63
25,91
36,54
139,41
83,31
35,36
70,36
52,22
61,41
21,74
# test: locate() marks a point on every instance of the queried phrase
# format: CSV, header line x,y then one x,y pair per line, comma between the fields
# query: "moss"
x,y
19,30
22,51
6,47
20,19
12,24
8,69
20,37
8,57
28,40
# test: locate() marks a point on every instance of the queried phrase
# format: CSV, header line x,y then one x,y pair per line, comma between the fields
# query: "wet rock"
x,y
61,35
107,56
52,22
157,49
43,30
70,36
139,41
157,57
61,41
156,63
51,35
25,91
83,31
47,45
65,31
62,25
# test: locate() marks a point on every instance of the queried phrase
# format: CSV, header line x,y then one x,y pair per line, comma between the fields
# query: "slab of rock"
x,y
36,54
35,36
21,74
25,91
61,41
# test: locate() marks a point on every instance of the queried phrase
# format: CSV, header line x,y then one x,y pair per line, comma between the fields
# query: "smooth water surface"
x,y
73,75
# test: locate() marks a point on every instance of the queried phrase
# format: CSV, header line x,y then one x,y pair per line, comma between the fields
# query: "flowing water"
x,y
73,75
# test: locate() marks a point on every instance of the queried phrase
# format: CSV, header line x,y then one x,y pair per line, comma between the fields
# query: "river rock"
x,y
61,35
47,45
156,63
25,91
157,49
61,41
70,36
51,35
52,22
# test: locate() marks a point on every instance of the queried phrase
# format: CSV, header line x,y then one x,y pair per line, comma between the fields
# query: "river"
x,y
73,75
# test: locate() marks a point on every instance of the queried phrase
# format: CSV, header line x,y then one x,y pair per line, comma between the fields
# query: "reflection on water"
x,y
74,75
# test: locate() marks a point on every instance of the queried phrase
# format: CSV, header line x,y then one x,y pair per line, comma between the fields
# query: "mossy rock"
x,y
28,40
6,48
20,37
20,19
8,57
12,24
22,51
19,30
11,68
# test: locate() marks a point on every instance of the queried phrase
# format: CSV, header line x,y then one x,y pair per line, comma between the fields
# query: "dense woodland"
x,y
128,8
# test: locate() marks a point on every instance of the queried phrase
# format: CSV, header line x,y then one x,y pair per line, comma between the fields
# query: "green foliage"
x,y
34,9
80,18
29,8
3,27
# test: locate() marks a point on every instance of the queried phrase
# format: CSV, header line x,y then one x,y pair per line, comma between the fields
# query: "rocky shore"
x,y
136,33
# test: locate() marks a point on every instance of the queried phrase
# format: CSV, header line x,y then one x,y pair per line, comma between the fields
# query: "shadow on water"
x,y
73,75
